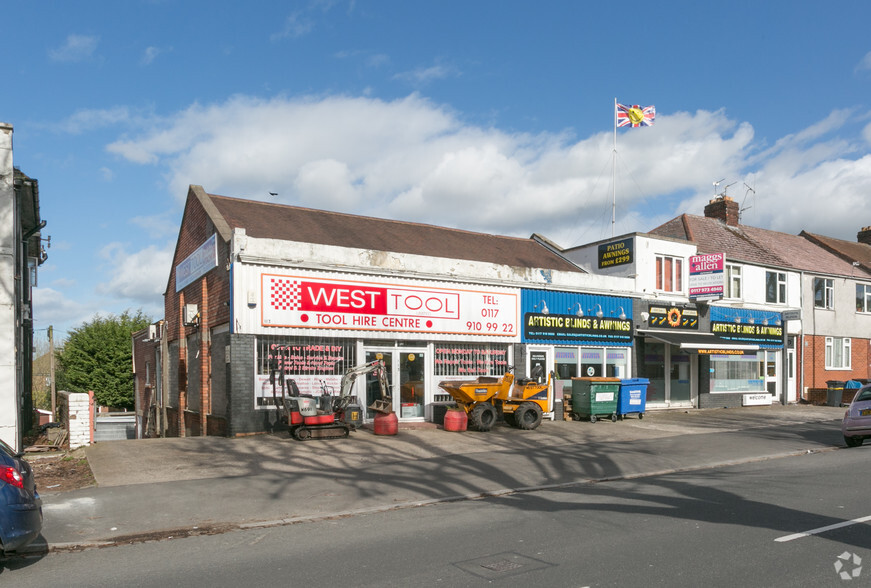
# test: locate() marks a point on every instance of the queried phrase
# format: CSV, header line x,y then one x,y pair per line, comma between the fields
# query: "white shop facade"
x,y
315,325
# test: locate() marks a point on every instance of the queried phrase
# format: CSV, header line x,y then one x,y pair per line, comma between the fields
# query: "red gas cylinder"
x,y
456,420
386,424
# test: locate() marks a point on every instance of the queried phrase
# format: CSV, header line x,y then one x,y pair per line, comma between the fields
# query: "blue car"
x,y
20,504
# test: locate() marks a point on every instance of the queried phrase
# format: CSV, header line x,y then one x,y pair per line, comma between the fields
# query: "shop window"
x,y
737,373
617,363
592,360
733,281
566,362
837,353
775,287
316,365
669,273
863,298
465,359
824,293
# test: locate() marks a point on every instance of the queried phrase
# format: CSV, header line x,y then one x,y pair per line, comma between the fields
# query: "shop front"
x,y
316,326
708,356
577,335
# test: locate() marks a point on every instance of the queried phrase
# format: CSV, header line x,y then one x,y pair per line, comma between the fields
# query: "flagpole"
x,y
614,174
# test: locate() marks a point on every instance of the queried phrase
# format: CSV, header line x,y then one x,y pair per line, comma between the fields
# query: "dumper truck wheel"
x,y
528,416
482,417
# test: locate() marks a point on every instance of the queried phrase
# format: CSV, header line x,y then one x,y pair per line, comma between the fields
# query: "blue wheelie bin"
x,y
633,397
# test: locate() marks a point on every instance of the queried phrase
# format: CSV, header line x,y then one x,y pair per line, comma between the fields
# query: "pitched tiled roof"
x,y
291,223
849,250
757,246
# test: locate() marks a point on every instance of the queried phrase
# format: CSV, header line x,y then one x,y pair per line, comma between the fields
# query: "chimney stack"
x,y
864,236
724,209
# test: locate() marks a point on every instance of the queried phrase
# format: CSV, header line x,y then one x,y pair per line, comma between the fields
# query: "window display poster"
x,y
308,385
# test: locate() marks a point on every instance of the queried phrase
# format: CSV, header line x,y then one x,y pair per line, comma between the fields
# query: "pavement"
x,y
164,488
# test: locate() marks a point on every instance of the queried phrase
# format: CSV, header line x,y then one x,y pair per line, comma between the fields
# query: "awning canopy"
x,y
704,343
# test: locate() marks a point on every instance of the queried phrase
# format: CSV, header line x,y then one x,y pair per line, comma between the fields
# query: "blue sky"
x,y
489,116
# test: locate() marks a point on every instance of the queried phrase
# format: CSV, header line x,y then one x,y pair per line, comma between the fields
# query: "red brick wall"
x,y
211,294
815,373
196,227
144,362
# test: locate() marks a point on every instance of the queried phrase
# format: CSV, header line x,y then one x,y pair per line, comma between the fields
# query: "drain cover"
x,y
502,564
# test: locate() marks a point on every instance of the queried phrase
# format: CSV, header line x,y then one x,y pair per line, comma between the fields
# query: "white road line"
x,y
786,538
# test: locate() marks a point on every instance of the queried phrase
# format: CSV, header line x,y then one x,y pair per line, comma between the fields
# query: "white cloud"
x,y
864,64
76,48
159,226
53,307
295,25
423,75
91,119
151,53
415,160
140,276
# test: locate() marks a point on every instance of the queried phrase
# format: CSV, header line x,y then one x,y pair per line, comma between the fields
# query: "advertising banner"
x,y
706,280
615,253
324,303
674,317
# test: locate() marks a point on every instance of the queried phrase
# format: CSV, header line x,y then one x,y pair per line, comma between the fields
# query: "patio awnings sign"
x,y
615,253
706,276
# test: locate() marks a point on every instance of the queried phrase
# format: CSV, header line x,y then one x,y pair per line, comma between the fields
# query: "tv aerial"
x,y
746,192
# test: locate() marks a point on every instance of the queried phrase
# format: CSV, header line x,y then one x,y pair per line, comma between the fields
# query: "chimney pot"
x,y
864,235
724,209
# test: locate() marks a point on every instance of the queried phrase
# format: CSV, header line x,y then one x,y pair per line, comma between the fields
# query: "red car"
x,y
856,425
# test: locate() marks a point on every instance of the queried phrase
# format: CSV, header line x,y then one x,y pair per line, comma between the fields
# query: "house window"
x,y
837,353
669,273
733,281
863,298
824,293
775,287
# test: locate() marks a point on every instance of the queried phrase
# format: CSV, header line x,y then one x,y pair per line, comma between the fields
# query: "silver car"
x,y
856,425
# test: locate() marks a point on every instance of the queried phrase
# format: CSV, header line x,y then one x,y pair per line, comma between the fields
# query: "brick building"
x,y
827,279
256,286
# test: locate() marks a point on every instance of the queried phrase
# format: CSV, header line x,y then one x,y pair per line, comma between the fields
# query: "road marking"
x,y
786,538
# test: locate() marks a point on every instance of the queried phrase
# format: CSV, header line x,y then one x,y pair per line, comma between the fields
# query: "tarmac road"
x,y
161,488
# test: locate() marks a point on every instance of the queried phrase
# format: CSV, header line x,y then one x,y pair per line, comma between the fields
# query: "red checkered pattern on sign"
x,y
284,294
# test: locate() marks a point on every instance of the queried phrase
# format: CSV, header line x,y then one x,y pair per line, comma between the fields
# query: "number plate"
x,y
865,412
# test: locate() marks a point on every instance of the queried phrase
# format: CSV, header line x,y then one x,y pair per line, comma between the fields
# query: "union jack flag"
x,y
635,116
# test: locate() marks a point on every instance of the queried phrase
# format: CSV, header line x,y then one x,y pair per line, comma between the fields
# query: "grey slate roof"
x,y
757,246
278,221
849,250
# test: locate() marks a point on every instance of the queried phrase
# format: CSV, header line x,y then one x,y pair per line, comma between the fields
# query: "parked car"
x,y
20,504
856,425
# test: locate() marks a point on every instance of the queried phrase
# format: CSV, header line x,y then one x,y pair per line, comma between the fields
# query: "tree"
x,y
98,356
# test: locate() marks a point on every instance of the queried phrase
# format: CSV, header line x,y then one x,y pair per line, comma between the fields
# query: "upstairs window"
x,y
669,273
733,281
863,298
775,287
824,293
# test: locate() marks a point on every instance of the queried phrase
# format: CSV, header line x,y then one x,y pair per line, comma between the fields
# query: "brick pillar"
x,y
182,367
205,359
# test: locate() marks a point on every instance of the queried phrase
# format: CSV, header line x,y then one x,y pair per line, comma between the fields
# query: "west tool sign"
x,y
319,302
